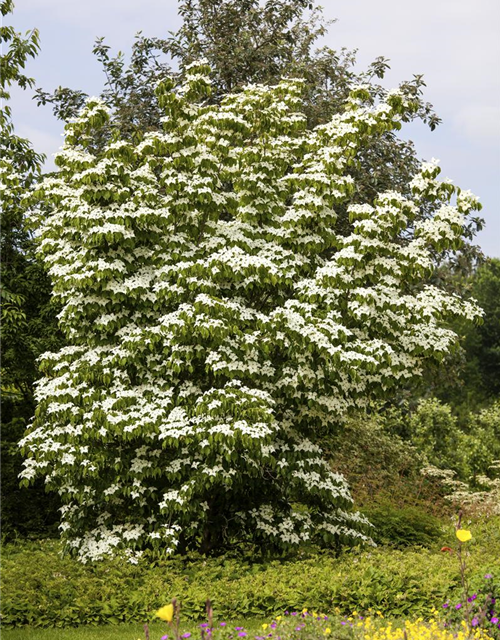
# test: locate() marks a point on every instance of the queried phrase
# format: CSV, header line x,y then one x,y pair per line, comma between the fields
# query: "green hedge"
x,y
42,589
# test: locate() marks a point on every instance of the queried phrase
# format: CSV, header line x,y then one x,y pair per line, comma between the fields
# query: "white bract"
x,y
217,320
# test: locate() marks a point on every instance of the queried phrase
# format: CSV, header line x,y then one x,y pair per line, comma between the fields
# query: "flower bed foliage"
x,y
42,589
476,618
305,625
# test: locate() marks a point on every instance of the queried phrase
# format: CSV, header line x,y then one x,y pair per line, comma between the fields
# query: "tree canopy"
x,y
262,42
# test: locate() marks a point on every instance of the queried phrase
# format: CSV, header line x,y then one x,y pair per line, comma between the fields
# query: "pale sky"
x,y
455,44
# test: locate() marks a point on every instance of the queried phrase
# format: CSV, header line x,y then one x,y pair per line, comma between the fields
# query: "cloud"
x,y
116,15
480,123
451,42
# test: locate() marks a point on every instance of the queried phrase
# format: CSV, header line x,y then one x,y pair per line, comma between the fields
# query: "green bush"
x,y
42,589
468,447
434,432
379,465
403,526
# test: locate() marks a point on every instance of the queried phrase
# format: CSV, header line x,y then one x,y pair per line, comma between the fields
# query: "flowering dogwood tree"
x,y
217,319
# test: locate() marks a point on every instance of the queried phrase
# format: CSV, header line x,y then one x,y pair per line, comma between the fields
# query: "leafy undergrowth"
x,y
41,589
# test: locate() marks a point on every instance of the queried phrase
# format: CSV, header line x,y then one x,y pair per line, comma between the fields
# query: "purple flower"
x,y
238,628
204,625
445,605
294,613
475,622
164,638
242,634
186,635
458,606
222,624
273,626
488,576
298,628
472,598
494,620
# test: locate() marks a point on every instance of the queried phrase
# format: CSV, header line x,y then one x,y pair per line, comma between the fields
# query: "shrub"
x,y
216,316
434,432
403,526
381,466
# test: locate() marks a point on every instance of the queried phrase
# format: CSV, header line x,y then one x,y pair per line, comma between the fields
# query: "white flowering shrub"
x,y
217,320
479,498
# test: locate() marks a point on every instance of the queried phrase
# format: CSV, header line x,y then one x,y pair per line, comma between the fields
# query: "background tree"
x,y
217,322
482,346
470,379
29,325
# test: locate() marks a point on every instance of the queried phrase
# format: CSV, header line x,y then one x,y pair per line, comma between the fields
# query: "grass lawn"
x,y
133,631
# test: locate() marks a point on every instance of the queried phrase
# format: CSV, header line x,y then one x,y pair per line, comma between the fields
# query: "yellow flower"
x,y
327,631
264,626
166,613
278,618
463,535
